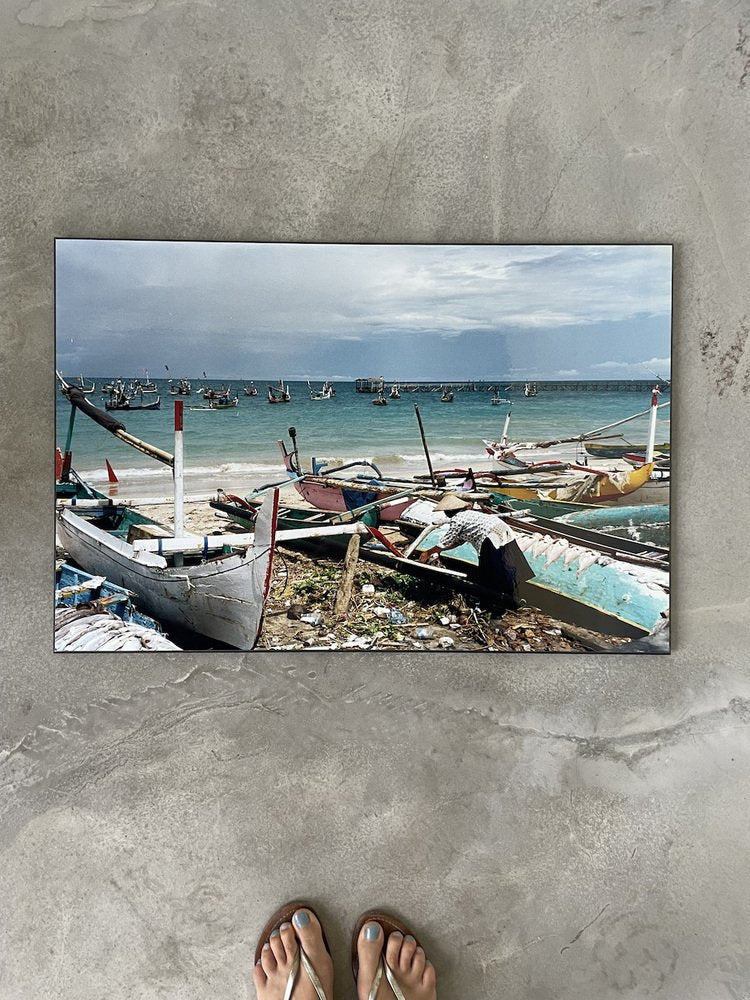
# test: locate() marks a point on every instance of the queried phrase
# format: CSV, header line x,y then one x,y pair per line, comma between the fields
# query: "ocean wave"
x,y
100,475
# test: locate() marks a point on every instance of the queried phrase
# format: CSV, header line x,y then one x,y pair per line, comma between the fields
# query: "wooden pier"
x,y
380,384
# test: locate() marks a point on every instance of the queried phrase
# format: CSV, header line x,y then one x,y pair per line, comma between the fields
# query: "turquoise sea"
x,y
237,449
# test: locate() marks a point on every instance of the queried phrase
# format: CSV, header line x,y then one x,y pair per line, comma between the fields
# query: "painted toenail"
x,y
372,932
275,933
301,919
285,926
410,939
397,934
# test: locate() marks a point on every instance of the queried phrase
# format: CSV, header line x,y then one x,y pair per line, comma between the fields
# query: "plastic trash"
x,y
423,633
314,618
396,617
445,641
368,588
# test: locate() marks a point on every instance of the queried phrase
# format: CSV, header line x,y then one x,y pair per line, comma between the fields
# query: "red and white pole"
x,y
652,425
177,473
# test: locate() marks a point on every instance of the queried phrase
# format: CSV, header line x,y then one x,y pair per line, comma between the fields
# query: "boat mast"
x,y
504,438
652,424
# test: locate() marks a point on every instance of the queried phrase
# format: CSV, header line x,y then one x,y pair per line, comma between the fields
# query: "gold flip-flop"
x,y
389,923
284,915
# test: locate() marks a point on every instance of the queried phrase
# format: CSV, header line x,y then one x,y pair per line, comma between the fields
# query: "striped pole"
x,y
652,424
177,473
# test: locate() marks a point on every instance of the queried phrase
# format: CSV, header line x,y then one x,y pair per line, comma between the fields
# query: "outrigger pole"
x,y
78,401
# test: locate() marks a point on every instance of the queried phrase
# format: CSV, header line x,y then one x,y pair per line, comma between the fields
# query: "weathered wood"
x,y
344,593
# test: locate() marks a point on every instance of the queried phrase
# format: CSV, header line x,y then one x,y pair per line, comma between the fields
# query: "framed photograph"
x,y
362,447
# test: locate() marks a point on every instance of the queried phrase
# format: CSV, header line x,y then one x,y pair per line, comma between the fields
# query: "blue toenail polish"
x,y
372,932
409,938
275,933
301,919
285,926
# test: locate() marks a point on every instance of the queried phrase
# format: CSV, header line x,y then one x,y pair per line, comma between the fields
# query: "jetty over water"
x,y
380,384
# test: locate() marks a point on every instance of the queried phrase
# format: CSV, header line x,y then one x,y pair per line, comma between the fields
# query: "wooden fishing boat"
x,y
447,396
327,491
185,582
75,586
279,393
600,450
395,392
184,388
615,586
326,392
223,402
126,402
250,390
580,486
530,389
380,401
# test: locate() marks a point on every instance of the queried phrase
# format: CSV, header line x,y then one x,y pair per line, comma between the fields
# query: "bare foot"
x,y
413,973
271,973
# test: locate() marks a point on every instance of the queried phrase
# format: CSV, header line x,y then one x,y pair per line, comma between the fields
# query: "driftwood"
x,y
344,593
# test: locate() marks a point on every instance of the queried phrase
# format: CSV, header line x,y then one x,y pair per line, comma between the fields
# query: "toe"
x,y
310,935
408,947
267,959
259,977
393,948
289,940
418,963
369,948
428,976
277,947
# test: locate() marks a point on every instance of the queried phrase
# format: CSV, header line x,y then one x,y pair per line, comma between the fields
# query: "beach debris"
x,y
344,593
446,641
423,633
368,588
312,618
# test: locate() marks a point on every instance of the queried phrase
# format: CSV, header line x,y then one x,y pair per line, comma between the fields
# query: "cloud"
x,y
154,303
568,372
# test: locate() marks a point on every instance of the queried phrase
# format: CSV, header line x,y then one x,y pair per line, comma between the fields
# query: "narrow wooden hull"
x,y
601,489
222,598
339,497
620,450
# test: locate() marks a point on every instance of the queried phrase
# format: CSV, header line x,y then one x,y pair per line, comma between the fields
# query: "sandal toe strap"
x,y
301,958
385,969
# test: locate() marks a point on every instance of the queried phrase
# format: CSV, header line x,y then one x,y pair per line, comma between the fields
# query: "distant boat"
x,y
447,396
498,400
326,392
395,393
223,402
184,388
84,389
250,390
530,389
279,393
381,400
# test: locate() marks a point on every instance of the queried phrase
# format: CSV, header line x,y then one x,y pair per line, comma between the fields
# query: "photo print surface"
x,y
362,447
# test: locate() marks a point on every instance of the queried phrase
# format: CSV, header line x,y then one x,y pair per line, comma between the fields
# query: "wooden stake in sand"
x,y
344,593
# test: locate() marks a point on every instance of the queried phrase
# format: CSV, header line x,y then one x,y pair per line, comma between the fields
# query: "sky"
x,y
317,311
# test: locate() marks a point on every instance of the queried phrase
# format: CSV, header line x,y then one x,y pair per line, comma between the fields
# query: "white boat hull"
x,y
222,598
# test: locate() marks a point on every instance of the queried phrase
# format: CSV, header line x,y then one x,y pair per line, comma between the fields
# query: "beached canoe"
x,y
221,596
597,450
591,487
616,586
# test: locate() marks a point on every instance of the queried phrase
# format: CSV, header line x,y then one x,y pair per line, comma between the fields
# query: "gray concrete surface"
x,y
556,827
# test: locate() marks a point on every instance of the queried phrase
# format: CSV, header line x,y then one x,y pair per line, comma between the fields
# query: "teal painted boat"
x,y
634,597
645,523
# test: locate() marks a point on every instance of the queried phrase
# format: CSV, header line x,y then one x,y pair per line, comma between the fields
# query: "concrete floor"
x,y
555,827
